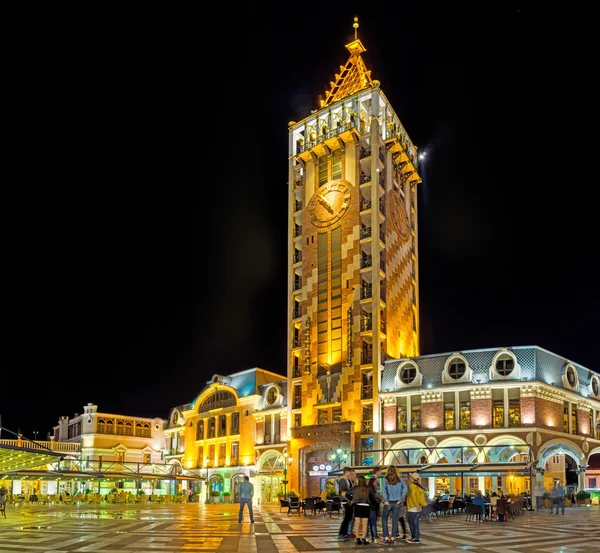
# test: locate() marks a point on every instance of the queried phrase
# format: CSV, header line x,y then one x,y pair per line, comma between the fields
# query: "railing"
x,y
297,404
330,133
221,462
366,261
297,372
366,325
235,430
211,433
366,358
365,152
297,284
382,326
297,313
365,205
298,183
297,257
365,232
382,233
382,206
367,391
367,427
364,178
67,447
297,206
234,461
366,292
97,467
297,231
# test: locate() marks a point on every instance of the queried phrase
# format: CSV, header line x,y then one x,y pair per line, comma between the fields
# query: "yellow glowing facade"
x,y
353,255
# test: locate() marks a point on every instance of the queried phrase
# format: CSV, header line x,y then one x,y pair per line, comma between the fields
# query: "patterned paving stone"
x,y
197,528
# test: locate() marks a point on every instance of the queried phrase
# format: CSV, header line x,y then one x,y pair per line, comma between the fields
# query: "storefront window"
x,y
498,414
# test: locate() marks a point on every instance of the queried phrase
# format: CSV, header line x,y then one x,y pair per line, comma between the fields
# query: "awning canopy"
x,y
89,476
14,458
452,469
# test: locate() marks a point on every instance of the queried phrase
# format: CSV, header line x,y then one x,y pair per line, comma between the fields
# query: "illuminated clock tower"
x,y
353,259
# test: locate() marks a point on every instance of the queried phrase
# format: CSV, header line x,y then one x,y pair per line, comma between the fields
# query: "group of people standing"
x,y
363,501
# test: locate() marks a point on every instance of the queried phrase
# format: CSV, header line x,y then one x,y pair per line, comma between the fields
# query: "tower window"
x,y
505,365
457,369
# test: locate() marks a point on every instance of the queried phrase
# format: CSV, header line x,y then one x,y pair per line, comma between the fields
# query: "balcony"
x,y
297,404
365,232
366,325
211,433
297,312
366,358
367,427
235,430
366,261
297,206
367,391
297,342
297,256
221,461
364,178
297,373
366,292
338,129
234,461
365,152
365,205
297,231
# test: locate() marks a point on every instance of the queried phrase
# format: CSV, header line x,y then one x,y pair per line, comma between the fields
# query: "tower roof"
x,y
353,76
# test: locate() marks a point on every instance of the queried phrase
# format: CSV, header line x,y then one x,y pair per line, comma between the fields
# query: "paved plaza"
x,y
203,528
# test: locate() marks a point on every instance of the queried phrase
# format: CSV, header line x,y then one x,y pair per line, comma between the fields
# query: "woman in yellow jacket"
x,y
415,501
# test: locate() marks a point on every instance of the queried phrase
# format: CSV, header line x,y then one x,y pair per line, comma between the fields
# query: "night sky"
x,y
144,228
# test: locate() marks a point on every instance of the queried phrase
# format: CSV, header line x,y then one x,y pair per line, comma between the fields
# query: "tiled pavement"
x,y
214,528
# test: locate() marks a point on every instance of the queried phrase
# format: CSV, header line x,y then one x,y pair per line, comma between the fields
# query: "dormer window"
x,y
272,395
408,374
595,385
570,377
456,369
505,366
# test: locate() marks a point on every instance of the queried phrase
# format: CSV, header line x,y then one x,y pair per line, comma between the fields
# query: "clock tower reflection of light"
x,y
353,251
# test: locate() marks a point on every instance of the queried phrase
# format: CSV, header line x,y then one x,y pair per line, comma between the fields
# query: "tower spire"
x,y
353,76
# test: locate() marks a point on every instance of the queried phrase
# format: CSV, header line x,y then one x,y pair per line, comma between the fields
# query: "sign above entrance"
x,y
318,473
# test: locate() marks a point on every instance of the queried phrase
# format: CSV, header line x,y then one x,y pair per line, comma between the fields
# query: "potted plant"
x,y
583,497
216,496
226,497
292,493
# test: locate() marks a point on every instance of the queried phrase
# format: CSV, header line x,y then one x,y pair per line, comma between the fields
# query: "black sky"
x,y
144,227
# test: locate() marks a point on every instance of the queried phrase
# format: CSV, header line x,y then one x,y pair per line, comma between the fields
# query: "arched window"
x,y
505,366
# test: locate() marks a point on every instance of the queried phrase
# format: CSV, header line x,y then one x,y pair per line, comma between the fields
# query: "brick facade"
x,y
432,416
389,418
583,422
481,413
548,414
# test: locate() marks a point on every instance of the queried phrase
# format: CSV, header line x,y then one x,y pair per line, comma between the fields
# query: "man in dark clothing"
x,y
345,483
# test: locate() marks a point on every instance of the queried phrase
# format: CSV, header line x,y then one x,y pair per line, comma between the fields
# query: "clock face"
x,y
398,216
329,204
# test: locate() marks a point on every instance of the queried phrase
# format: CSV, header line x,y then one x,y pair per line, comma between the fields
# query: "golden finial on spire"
x,y
355,25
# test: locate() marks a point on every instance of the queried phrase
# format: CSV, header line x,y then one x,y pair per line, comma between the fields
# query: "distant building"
x,y
235,427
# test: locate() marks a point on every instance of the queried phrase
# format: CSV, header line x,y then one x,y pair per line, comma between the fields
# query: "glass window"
x,y
336,165
200,430
322,170
457,369
336,414
514,413
415,417
498,413
297,419
505,365
272,395
235,423
401,417
235,452
571,376
465,415
323,416
595,386
408,374
573,419
566,417
449,421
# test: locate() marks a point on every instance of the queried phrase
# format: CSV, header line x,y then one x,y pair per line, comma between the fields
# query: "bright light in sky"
x,y
423,155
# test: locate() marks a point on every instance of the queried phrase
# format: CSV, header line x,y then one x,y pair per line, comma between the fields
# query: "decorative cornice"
x,y
431,397
481,393
258,417
543,392
388,400
584,405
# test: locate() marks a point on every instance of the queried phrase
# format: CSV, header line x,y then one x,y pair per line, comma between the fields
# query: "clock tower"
x,y
353,264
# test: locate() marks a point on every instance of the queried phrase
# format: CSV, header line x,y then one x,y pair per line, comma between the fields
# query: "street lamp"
x,y
206,464
286,461
35,433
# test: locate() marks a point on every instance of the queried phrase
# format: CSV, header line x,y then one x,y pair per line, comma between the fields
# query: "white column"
x,y
432,489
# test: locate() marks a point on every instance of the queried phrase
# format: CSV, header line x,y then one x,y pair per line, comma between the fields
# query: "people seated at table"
x,y
480,501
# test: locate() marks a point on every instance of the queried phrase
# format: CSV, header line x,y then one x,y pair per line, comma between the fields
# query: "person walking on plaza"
x,y
393,492
539,491
375,499
345,484
246,495
558,497
362,507
415,501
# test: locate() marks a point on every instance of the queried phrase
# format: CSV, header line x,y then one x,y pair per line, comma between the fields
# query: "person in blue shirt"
x,y
480,500
393,492
246,495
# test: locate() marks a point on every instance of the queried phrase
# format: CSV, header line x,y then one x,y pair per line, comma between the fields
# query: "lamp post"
x,y
340,455
287,460
206,463
35,433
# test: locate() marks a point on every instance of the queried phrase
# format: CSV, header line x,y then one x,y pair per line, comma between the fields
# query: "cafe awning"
x,y
441,470
88,476
14,458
